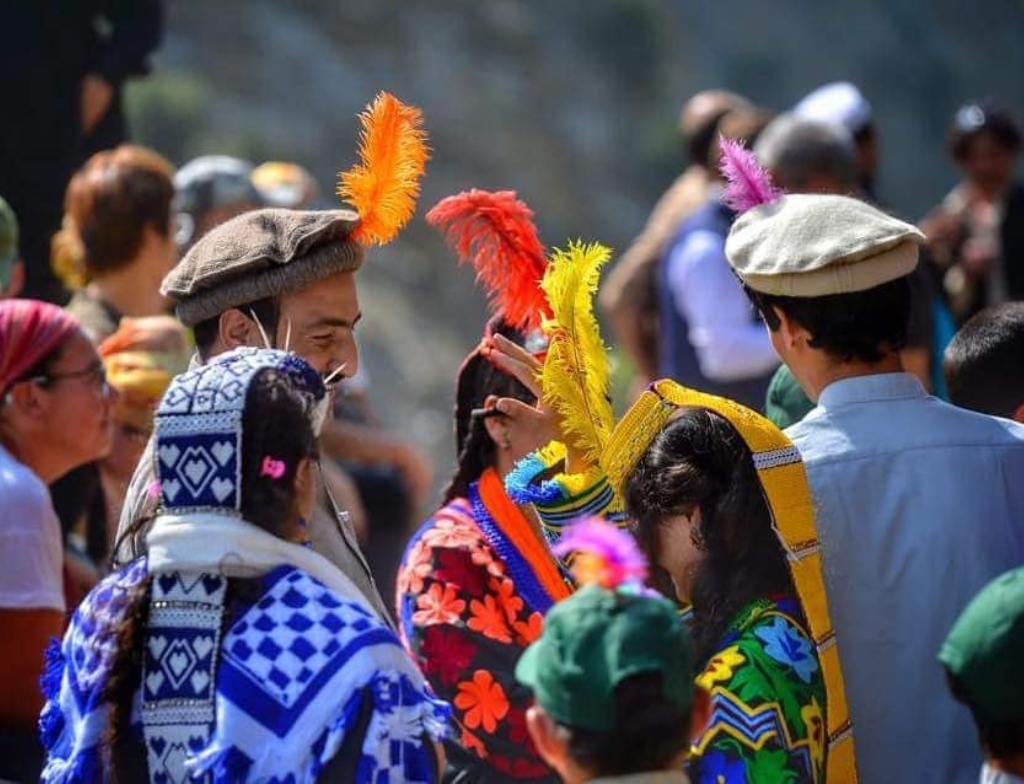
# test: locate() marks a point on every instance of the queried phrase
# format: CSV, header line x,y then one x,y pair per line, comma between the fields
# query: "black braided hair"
x,y
478,379
276,424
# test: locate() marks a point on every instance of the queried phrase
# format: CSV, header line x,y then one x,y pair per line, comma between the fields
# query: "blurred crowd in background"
x,y
93,222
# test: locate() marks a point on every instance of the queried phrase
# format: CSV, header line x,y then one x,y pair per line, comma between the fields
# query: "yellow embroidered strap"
x,y
784,480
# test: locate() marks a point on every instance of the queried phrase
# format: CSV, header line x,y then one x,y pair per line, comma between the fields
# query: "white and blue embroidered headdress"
x,y
199,435
199,428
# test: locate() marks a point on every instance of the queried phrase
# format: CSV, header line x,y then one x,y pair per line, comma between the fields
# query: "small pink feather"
x,y
603,554
749,185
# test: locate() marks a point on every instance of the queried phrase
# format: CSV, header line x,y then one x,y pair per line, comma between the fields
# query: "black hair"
x,y
276,422
699,143
648,734
999,739
699,460
267,310
478,379
862,325
974,119
984,363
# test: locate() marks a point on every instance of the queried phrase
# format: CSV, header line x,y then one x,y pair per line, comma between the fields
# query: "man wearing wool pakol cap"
x,y
286,279
918,503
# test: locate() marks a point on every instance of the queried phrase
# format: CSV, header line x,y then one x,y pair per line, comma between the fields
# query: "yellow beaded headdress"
x,y
784,482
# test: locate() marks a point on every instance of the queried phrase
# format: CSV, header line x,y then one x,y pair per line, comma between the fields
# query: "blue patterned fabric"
x,y
294,669
178,669
199,427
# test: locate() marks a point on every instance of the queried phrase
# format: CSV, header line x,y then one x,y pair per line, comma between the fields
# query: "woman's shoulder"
x,y
22,493
288,592
769,641
768,701
109,596
452,527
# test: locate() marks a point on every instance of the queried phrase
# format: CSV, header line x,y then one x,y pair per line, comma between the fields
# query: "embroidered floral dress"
x,y
473,588
768,702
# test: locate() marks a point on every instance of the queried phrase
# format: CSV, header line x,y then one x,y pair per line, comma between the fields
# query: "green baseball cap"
x,y
985,649
594,640
8,242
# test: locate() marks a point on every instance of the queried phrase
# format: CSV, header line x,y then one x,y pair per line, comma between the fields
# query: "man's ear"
x,y
789,331
235,329
544,733
700,713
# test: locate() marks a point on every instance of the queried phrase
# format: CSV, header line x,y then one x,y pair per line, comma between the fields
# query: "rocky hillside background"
x,y
572,103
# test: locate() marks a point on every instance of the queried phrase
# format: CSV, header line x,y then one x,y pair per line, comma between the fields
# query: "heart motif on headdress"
x,y
178,663
223,451
222,488
196,470
154,681
176,400
170,489
166,582
157,645
232,390
199,680
202,646
211,583
158,745
169,454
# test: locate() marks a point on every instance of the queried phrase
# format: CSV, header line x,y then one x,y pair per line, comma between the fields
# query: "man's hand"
x,y
97,94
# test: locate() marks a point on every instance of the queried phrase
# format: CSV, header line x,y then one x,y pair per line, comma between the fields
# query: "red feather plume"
x,y
494,232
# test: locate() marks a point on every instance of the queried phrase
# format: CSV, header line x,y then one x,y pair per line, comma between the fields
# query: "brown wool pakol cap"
x,y
260,254
806,245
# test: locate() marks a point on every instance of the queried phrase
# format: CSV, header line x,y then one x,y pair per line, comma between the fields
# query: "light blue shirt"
x,y
919,504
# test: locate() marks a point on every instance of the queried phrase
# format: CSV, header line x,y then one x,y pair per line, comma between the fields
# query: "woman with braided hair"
x,y
476,580
477,577
232,652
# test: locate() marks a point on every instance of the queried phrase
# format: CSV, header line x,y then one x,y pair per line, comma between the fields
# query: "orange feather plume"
x,y
494,232
384,185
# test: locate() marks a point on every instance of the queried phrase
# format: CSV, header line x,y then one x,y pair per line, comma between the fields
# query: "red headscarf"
x,y
29,332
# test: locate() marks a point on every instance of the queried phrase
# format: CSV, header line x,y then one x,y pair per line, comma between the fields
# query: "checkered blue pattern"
x,y
311,627
283,710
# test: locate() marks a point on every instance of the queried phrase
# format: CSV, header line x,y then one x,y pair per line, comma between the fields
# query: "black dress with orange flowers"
x,y
473,587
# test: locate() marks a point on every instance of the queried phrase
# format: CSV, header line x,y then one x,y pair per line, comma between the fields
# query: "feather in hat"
x,y
494,232
575,373
384,185
748,185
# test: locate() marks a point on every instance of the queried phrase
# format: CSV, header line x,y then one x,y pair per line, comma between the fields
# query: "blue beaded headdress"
x,y
199,427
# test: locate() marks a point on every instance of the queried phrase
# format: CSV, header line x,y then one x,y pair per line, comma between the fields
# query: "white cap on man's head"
x,y
838,102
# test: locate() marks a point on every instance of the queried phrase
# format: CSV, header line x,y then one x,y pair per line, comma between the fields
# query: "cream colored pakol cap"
x,y
806,245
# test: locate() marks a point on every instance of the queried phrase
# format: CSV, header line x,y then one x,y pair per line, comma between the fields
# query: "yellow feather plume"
x,y
384,185
575,373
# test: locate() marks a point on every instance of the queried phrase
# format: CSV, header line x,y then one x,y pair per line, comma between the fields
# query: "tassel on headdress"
x,y
494,232
602,554
575,374
748,185
384,185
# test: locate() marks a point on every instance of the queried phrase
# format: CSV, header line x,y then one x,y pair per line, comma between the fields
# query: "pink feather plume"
x,y
748,184
602,554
